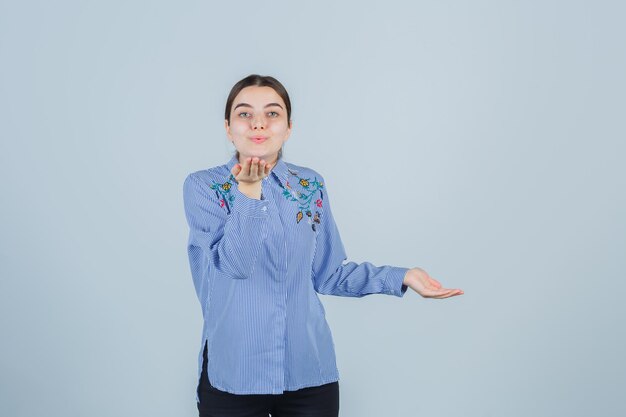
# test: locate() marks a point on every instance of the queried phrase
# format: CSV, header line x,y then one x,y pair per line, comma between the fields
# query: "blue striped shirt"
x,y
257,267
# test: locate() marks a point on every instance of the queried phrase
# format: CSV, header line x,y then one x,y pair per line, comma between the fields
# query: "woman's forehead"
x,y
258,97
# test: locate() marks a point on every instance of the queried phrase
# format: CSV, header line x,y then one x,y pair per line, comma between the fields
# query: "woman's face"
x,y
258,123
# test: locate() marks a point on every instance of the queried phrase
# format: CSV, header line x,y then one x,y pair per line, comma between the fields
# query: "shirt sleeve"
x,y
230,242
334,277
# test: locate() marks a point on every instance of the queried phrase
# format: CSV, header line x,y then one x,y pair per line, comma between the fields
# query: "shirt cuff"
x,y
250,207
393,283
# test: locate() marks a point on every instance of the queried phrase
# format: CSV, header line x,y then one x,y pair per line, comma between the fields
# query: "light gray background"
x,y
482,141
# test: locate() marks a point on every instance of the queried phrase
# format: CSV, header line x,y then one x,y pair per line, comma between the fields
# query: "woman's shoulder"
x,y
218,173
302,171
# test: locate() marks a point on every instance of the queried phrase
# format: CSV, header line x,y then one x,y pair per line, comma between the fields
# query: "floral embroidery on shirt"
x,y
304,197
223,192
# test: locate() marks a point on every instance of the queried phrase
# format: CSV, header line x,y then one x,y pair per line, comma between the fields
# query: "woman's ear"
x,y
227,127
288,131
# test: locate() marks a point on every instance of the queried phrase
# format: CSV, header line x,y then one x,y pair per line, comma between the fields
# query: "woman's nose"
x,y
258,122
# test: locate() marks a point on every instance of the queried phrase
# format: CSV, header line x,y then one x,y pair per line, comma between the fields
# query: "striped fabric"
x,y
257,266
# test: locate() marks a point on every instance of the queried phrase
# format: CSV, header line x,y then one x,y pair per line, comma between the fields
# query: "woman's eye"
x,y
246,114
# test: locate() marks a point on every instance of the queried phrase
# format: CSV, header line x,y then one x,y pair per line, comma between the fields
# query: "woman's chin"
x,y
267,155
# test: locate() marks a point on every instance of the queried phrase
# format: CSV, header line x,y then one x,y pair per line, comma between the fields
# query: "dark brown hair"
x,y
258,81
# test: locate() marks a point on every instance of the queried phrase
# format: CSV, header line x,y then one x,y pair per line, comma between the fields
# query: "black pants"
x,y
320,401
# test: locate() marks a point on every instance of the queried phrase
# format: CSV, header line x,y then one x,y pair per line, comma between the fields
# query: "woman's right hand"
x,y
428,287
253,170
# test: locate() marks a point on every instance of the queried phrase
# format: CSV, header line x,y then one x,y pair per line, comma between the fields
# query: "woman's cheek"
x,y
277,126
239,127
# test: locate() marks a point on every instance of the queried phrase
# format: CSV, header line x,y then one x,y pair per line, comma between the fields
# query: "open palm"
x,y
426,286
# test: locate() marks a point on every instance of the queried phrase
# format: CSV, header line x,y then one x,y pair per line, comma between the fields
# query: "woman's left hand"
x,y
426,286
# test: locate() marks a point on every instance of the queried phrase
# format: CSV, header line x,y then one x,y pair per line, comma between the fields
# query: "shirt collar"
x,y
280,170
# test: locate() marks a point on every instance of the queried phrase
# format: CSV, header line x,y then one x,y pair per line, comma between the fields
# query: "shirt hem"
x,y
288,388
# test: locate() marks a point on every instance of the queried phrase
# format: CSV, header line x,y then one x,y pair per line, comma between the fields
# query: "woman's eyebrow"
x,y
247,105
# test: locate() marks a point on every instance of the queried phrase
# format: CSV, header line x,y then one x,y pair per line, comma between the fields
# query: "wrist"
x,y
408,276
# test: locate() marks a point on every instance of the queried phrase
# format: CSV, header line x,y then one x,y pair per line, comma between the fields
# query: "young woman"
x,y
262,244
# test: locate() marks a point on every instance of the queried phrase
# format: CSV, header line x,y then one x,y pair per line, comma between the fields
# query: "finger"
x,y
431,292
245,168
236,170
254,168
437,293
451,293
262,170
250,170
